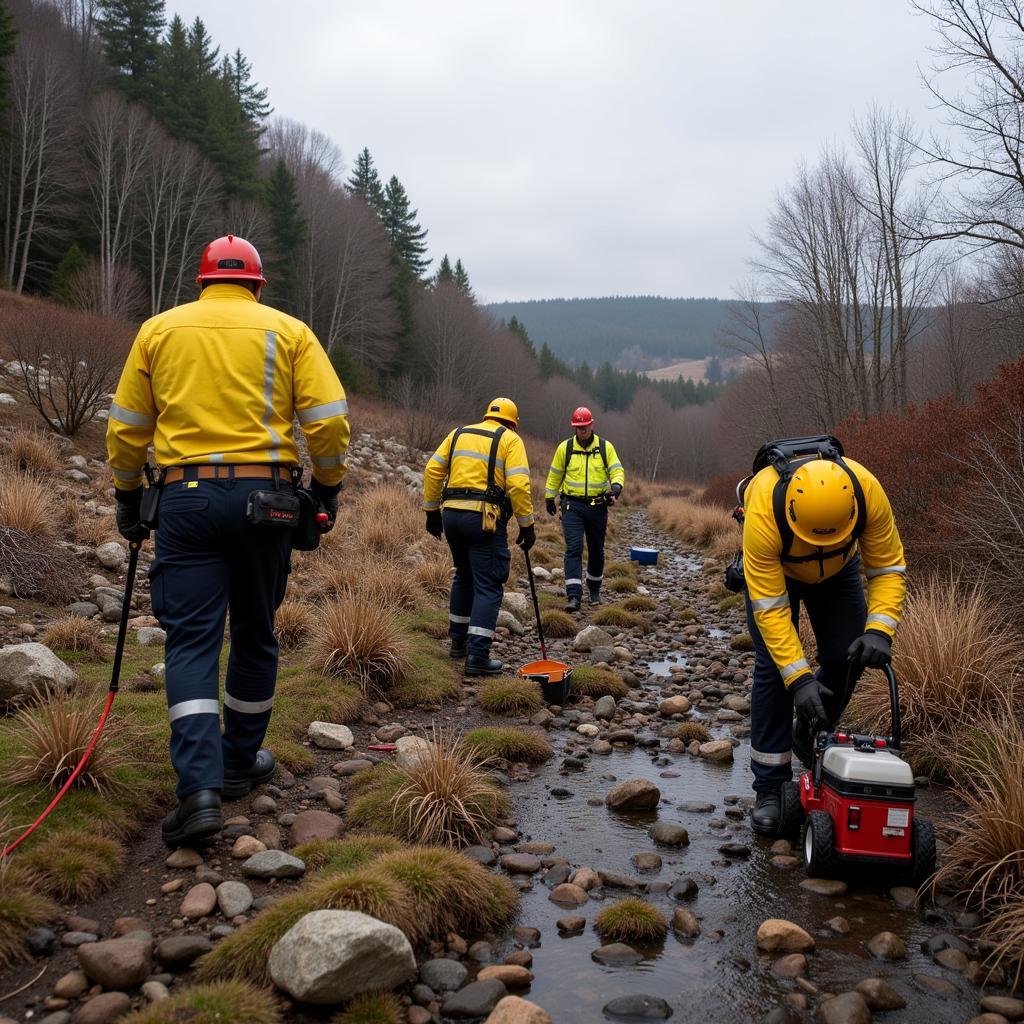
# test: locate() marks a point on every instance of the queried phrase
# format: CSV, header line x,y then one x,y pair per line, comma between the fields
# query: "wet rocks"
x,y
684,889
646,861
793,965
780,936
475,1000
825,886
1011,1009
274,864
605,707
330,736
103,1009
638,1007
510,975
634,795
329,956
571,925
685,923
513,1010
176,952
309,825
118,963
443,975
667,834
616,954
568,894
848,1008
520,863
716,750
30,670
887,946
674,706
880,995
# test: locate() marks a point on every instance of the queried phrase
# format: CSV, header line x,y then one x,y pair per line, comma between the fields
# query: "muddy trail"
x,y
728,880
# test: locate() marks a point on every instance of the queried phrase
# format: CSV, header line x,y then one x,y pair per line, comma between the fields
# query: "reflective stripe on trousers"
x,y
583,521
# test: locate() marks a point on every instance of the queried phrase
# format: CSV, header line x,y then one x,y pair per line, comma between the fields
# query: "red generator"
x,y
856,805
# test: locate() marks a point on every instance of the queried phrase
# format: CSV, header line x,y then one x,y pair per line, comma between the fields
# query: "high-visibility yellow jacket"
x,y
882,560
584,475
221,380
467,467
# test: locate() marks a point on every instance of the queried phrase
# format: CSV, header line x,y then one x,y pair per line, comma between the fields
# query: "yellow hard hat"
x,y
503,409
820,504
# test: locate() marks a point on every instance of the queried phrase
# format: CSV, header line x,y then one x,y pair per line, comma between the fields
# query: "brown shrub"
x,y
292,623
36,567
434,574
386,520
32,451
26,504
709,527
76,633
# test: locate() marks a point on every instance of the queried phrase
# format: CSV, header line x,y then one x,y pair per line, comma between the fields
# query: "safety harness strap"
x,y
570,450
492,493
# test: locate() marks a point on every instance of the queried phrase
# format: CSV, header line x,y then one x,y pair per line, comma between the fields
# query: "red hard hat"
x,y
582,417
232,259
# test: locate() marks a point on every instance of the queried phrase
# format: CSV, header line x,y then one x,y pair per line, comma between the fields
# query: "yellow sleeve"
x,y
517,479
132,420
882,559
616,474
322,410
556,473
769,599
435,474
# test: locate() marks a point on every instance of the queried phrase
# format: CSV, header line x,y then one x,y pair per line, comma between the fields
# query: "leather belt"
x,y
223,471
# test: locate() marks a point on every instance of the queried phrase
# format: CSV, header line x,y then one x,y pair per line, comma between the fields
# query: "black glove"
x,y
434,524
613,495
550,506
807,693
872,650
129,506
527,537
326,496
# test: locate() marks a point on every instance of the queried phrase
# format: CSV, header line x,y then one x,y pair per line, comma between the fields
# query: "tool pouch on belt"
x,y
273,508
307,530
734,578
149,509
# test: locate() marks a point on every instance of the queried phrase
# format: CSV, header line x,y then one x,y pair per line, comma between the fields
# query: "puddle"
x,y
691,563
664,668
717,633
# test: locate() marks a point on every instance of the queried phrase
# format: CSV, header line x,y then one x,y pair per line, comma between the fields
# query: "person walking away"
x,y
215,385
473,484
813,520
587,476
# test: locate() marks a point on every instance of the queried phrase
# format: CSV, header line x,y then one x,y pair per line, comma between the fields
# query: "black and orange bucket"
x,y
555,679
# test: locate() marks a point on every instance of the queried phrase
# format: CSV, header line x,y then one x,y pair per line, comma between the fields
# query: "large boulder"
x,y
330,735
778,936
29,670
590,637
519,605
634,795
118,963
510,622
329,956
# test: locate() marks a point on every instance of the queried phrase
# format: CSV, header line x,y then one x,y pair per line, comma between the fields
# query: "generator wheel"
x,y
792,816
922,851
818,845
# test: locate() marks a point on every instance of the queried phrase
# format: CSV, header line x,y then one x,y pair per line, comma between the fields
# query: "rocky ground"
x,y
626,807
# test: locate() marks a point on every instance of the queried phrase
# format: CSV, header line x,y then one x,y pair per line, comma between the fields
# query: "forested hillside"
x,y
639,332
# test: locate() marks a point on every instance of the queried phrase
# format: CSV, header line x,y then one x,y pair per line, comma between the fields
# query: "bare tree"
x,y
119,291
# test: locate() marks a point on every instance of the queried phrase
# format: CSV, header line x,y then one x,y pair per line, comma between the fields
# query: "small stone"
x,y
887,946
952,959
118,963
509,975
667,834
684,889
74,939
151,636
172,886
825,886
309,825
410,752
103,1009
520,863
513,1010
199,901
111,555
674,706
443,975
264,804
475,1000
791,966
685,923
839,925
848,1008
586,879
646,861
481,952
588,729
880,995
904,895
780,936
568,894
937,986
42,941
634,795
71,985
155,991
330,736
245,847
183,857
716,750
572,924
274,864
233,898
605,707
1011,1009
616,954
482,855
178,951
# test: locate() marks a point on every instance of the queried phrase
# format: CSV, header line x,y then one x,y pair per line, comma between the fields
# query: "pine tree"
x,y
518,328
445,274
237,72
73,262
404,232
176,100
462,281
365,181
288,232
131,32
8,40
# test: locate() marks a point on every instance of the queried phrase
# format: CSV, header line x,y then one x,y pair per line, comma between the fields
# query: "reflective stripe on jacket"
x,y
882,559
467,467
221,380
584,476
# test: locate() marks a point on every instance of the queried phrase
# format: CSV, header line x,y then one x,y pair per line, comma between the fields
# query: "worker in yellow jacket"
x,y
215,385
473,484
813,521
587,477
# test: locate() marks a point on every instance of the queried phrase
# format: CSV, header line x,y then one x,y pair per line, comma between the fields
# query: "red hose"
x,y
70,781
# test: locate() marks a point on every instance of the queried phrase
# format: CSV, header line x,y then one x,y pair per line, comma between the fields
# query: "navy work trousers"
x,y
837,611
209,560
482,563
582,520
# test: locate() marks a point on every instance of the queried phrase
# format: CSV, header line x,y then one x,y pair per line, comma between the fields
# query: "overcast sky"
x,y
583,147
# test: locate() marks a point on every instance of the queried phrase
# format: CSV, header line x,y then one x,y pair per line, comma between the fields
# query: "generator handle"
x,y
894,701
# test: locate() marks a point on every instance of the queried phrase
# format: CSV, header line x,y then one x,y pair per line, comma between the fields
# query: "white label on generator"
x,y
899,817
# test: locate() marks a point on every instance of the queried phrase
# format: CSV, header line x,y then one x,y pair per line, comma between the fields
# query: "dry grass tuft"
x,y
984,861
690,731
956,656
558,624
74,865
52,733
618,618
591,681
709,527
357,638
224,1002
31,451
631,920
76,633
385,518
292,623
506,695
26,504
621,585
614,569
335,856
446,798
742,642
639,603
21,909
434,575
509,744
372,1008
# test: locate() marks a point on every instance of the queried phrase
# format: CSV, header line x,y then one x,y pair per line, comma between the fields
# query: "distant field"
x,y
694,369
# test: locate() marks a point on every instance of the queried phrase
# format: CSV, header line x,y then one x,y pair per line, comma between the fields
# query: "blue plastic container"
x,y
645,556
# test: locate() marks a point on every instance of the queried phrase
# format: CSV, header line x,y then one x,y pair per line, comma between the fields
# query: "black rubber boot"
x,y
595,597
196,819
457,649
477,665
573,604
767,813
237,782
